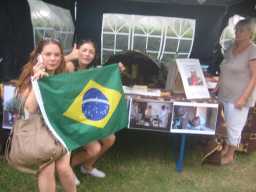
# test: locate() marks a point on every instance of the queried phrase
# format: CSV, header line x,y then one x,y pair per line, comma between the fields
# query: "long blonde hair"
x,y
27,71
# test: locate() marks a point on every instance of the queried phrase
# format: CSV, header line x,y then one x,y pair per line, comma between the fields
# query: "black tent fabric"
x,y
16,37
211,17
16,34
208,20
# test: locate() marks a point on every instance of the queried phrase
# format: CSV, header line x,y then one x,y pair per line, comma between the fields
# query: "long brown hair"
x,y
24,81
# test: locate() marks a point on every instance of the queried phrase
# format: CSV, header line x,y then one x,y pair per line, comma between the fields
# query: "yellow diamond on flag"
x,y
94,105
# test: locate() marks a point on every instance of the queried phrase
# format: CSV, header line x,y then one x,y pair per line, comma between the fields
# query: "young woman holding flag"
x,y
46,59
83,56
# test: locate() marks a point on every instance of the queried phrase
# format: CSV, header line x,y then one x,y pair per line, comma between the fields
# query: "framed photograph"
x,y
193,80
10,106
194,118
153,115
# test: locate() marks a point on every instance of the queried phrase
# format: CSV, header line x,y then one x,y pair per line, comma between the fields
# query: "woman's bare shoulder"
x,y
70,67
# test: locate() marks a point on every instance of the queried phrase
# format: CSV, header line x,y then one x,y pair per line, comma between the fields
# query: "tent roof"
x,y
69,3
194,2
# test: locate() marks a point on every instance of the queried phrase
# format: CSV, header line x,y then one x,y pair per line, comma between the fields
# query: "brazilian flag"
x,y
82,106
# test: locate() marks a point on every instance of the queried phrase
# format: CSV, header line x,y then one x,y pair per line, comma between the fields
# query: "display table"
x,y
173,115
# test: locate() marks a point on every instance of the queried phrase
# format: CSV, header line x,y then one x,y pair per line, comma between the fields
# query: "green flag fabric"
x,y
82,106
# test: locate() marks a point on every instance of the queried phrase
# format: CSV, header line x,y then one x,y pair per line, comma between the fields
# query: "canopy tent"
x,y
211,16
16,37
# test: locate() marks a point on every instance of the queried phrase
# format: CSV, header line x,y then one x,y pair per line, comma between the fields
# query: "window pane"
x,y
176,26
139,30
185,25
124,29
170,32
108,41
49,34
139,43
171,45
106,55
122,42
168,58
39,34
184,46
157,31
154,43
188,33
107,27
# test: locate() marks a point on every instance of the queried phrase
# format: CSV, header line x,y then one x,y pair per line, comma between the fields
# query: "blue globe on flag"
x,y
95,105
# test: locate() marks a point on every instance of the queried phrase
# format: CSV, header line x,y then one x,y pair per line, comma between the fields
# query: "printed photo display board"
x,y
194,118
147,114
193,80
175,117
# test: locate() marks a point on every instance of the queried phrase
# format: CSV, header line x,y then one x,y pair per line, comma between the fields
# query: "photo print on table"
x,y
194,118
152,115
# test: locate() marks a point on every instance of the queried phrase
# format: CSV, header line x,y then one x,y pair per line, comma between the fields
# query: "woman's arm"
x,y
69,67
73,55
31,103
28,94
250,87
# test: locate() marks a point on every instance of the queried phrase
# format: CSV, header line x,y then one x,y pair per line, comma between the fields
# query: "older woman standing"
x,y
237,84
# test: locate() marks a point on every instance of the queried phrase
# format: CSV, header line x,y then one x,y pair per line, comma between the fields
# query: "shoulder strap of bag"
x,y
21,108
217,147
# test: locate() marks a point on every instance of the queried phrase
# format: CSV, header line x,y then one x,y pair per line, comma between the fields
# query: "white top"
x,y
235,75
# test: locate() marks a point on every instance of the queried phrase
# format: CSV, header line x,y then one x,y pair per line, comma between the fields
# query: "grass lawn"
x,y
145,162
